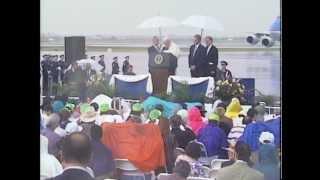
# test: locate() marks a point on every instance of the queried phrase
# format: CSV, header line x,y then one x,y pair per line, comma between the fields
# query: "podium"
x,y
159,64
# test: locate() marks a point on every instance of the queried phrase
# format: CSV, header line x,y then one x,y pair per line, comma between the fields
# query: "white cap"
x,y
183,114
266,136
73,127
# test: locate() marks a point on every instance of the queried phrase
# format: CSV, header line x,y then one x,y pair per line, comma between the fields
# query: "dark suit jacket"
x,y
101,62
199,60
73,174
212,60
152,50
223,75
115,68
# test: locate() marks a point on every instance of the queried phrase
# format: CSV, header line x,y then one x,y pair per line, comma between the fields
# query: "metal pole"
x,y
41,85
160,33
201,32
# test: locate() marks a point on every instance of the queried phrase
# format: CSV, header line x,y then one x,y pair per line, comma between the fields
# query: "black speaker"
x,y
74,48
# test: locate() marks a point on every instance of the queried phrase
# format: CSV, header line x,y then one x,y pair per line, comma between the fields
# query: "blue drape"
x,y
131,90
195,91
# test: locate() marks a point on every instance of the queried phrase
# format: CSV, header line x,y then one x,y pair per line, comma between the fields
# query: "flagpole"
x,y
160,34
201,32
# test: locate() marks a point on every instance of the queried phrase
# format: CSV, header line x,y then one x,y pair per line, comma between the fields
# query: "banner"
x,y
131,87
196,86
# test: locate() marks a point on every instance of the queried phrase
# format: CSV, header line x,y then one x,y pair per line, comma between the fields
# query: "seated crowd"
x,y
79,141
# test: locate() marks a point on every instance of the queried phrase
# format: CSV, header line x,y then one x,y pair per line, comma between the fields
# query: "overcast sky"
x,y
120,17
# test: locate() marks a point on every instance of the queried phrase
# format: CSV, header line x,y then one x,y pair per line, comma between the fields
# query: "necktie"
x,y
208,50
195,49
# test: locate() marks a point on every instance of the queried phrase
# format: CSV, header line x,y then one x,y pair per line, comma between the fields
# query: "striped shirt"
x,y
235,133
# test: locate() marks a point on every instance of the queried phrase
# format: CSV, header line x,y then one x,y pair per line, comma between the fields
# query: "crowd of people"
x,y
77,141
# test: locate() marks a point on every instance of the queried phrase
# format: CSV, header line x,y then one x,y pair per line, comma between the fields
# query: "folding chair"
x,y
199,178
216,163
129,170
203,148
162,175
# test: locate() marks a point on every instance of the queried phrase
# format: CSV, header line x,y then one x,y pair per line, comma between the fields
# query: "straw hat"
x,y
89,115
84,107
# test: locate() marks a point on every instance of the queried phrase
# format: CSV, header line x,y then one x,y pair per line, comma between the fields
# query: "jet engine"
x,y
252,39
267,41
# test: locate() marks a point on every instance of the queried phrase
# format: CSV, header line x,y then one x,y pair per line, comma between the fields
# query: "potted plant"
x,y
226,90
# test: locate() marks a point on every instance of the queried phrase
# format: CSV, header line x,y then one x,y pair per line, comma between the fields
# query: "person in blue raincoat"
x,y
213,137
252,133
268,162
274,125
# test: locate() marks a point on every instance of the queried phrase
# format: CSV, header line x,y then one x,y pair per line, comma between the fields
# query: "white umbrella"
x,y
158,22
203,22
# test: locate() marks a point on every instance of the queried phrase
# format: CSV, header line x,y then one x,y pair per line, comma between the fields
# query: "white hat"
x,y
183,114
266,136
73,127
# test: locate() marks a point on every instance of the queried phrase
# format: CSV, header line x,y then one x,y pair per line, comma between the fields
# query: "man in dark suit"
x,y
211,57
154,49
125,65
45,74
101,62
223,73
115,66
197,58
76,154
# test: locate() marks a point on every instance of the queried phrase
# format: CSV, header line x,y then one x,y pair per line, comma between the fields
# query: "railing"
x,y
271,109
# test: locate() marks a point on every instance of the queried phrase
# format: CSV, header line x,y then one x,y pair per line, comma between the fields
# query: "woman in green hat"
x,y
154,116
136,113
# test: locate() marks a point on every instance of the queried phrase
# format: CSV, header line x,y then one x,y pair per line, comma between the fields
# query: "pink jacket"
x,y
195,120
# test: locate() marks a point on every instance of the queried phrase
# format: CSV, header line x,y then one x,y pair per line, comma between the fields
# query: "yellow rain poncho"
x,y
233,109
